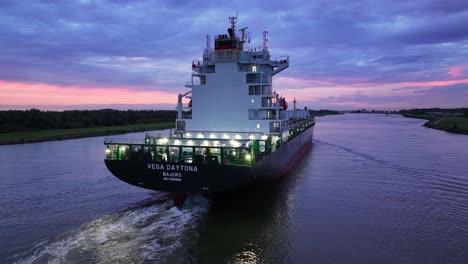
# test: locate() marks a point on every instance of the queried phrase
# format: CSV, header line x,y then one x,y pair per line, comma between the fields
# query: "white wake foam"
x,y
150,233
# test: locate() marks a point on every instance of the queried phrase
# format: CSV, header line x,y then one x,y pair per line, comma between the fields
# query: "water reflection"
x,y
249,225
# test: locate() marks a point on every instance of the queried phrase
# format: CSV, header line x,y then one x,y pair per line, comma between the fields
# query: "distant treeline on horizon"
x,y
324,112
422,111
34,119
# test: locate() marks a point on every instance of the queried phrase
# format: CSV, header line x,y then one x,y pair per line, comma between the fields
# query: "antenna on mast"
x,y
208,43
294,109
233,21
265,40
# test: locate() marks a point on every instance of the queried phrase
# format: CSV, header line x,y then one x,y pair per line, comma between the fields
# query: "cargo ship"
x,y
232,128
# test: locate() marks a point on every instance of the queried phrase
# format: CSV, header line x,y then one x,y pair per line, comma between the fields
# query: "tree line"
x,y
425,111
323,112
34,119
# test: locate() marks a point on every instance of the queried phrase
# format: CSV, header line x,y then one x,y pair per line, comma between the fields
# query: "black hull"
x,y
206,178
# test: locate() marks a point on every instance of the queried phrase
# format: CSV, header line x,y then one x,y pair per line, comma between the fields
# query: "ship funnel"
x,y
231,32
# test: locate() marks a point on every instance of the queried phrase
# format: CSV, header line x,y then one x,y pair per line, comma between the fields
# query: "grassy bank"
x,y
59,134
451,124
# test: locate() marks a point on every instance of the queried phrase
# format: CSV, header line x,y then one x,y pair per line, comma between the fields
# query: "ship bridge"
x,y
232,89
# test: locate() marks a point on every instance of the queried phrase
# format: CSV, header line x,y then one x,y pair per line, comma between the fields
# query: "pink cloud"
x,y
435,83
455,71
316,90
19,93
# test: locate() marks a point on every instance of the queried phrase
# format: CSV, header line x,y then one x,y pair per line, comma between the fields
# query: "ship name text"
x,y
172,167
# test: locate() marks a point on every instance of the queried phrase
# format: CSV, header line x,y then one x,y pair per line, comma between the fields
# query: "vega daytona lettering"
x,y
172,167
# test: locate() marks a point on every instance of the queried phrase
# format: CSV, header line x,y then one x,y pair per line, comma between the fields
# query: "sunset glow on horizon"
x,y
15,93
122,54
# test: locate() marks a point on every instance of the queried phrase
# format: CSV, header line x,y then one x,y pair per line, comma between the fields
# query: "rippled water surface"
x,y
373,189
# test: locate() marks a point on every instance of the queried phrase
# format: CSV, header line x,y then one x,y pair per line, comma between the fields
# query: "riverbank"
x,y
452,124
61,134
325,112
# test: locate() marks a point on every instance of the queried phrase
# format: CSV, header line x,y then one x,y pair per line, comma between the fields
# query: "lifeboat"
x,y
284,103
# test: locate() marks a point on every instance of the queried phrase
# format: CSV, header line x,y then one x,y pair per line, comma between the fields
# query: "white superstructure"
x,y
232,92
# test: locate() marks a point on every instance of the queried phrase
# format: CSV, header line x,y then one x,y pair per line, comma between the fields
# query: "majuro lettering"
x,y
172,167
172,174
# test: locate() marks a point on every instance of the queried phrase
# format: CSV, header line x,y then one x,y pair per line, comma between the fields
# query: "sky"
x,y
132,54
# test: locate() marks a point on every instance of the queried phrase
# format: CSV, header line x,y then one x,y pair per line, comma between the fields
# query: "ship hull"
x,y
283,160
206,178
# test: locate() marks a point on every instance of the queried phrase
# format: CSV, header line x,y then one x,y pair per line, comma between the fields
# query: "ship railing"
x,y
296,126
222,155
279,65
281,61
197,64
123,141
273,117
240,152
205,69
190,142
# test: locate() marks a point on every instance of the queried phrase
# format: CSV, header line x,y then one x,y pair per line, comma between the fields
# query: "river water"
x,y
373,189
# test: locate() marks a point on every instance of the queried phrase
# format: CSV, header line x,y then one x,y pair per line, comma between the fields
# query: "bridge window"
x,y
255,90
275,127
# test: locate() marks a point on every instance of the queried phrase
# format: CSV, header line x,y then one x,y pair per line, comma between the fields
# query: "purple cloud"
x,y
150,44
